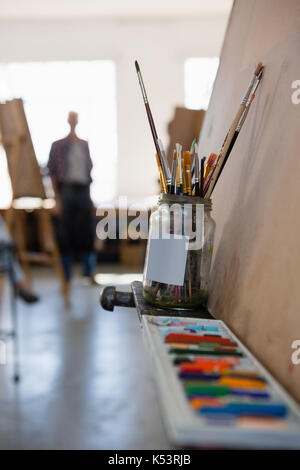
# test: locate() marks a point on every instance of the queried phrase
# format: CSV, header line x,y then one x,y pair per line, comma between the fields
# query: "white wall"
x,y
160,47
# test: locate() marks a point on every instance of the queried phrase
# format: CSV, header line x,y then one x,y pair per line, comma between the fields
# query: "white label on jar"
x,y
167,260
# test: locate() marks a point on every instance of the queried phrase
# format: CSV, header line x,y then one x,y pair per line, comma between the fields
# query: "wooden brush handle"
x,y
224,150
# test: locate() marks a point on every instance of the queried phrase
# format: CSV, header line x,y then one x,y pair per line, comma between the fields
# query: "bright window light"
x,y
199,77
50,90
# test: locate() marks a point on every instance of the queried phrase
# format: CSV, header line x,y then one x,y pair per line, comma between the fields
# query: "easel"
x,y
28,194
184,127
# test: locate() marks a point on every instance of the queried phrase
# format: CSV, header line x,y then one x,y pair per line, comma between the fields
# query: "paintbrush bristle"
x,y
178,148
212,159
259,67
137,66
192,149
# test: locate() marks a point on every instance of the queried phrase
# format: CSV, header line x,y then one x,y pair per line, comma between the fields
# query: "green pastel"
x,y
211,390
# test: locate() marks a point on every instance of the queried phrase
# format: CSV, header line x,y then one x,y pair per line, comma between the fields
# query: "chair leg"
x,y
15,330
1,287
16,339
20,217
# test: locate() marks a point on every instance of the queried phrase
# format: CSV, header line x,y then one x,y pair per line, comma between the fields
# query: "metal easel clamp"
x,y
110,297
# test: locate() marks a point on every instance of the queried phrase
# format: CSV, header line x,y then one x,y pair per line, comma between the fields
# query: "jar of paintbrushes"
x,y
181,230
179,252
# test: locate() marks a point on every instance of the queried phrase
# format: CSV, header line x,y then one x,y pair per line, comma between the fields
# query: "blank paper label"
x,y
167,260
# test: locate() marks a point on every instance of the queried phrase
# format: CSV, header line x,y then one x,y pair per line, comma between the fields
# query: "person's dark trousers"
x,y
75,228
89,260
67,261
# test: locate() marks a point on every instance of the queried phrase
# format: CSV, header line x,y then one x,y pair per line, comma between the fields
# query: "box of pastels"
x,y
213,391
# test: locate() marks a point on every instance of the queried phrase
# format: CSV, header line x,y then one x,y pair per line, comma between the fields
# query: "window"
x,y
199,77
50,90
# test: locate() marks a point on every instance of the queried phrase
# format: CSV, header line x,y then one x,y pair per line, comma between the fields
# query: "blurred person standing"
x,y
70,168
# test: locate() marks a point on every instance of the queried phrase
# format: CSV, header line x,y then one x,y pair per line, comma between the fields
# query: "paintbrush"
x,y
193,170
222,154
202,176
193,146
187,173
161,176
173,173
208,179
209,165
241,122
196,185
184,178
166,166
179,168
192,152
152,125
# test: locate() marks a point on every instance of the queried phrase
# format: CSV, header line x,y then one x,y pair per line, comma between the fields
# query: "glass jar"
x,y
179,252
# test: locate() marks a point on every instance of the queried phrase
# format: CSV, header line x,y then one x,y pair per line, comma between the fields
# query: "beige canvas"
x,y
254,283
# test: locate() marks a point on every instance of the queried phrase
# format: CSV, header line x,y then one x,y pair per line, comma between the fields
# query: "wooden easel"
x,y
27,183
184,127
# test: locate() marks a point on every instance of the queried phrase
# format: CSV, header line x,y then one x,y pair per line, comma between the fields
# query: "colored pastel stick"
x,y
261,422
209,345
202,390
229,395
249,393
209,376
212,336
202,350
183,347
201,376
203,347
188,329
194,347
219,347
199,362
221,352
205,363
207,352
254,409
245,373
196,339
180,360
202,328
207,390
224,352
197,403
239,382
206,387
206,368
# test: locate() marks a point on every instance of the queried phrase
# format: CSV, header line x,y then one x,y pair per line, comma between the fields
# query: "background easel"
x,y
28,193
184,127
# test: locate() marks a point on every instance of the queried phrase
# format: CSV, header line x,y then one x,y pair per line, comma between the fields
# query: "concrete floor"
x,y
86,377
